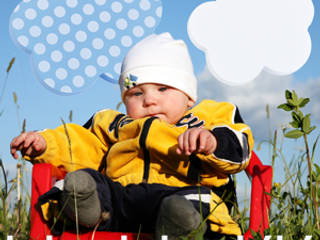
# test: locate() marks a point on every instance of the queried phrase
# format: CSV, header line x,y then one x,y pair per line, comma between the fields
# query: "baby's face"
x,y
164,102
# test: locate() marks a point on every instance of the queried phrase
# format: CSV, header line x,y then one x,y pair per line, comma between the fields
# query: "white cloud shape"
x,y
73,42
243,37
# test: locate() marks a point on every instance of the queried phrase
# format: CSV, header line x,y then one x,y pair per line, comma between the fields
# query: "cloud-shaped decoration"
x,y
73,42
243,37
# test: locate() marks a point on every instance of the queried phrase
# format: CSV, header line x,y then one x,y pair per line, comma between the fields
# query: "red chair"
x,y
44,176
261,183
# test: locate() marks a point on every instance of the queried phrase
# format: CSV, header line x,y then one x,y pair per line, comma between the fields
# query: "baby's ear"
x,y
191,102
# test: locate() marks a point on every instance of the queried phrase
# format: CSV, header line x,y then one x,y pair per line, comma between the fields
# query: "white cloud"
x,y
241,38
253,97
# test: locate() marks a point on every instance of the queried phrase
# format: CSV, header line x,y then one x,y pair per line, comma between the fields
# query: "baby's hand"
x,y
31,144
197,140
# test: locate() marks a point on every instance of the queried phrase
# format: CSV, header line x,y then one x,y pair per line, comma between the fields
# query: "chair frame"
x,y
44,176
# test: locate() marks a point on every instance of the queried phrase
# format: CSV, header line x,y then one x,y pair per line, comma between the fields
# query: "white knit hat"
x,y
159,59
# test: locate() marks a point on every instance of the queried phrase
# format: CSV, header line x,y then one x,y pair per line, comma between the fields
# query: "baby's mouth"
x,y
153,115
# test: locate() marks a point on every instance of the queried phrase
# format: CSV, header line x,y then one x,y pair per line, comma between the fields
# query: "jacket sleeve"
x,y
73,147
234,138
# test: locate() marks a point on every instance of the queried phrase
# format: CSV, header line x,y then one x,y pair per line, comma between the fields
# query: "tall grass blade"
x,y
10,64
6,79
74,189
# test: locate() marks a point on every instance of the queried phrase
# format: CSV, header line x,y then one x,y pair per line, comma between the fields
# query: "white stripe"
x,y
233,113
244,129
206,198
59,184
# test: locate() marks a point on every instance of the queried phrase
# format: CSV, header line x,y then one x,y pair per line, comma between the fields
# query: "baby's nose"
x,y
150,99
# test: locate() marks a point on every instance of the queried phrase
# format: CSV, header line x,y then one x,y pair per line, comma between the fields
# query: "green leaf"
x,y
296,117
314,146
293,134
285,107
317,231
304,102
310,130
292,102
294,124
284,195
288,94
306,123
318,169
317,178
300,114
299,101
294,97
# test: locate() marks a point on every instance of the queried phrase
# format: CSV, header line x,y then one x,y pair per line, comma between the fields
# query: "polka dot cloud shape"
x,y
74,42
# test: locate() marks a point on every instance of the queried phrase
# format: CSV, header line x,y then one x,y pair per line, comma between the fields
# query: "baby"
x,y
157,165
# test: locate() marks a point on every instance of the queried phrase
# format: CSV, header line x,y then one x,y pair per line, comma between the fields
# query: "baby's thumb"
x,y
178,151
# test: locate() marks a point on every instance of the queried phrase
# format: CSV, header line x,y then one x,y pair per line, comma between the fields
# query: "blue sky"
x,y
44,109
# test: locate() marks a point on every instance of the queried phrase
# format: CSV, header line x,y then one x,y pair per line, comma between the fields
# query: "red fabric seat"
x,y
44,176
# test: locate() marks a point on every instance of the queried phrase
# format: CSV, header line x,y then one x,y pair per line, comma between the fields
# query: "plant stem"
x,y
19,192
3,88
313,197
274,148
74,189
5,178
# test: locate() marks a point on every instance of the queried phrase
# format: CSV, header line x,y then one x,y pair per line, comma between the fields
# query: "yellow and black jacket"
x,y
144,150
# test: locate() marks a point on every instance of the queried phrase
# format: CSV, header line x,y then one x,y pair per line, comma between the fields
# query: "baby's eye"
x,y
137,94
162,89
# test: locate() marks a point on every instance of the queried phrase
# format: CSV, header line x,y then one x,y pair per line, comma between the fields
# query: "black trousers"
x,y
137,205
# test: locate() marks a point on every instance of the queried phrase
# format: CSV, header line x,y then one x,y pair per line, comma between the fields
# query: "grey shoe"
x,y
177,218
80,188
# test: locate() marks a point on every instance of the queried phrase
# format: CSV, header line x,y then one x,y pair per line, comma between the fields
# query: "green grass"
x,y
15,204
